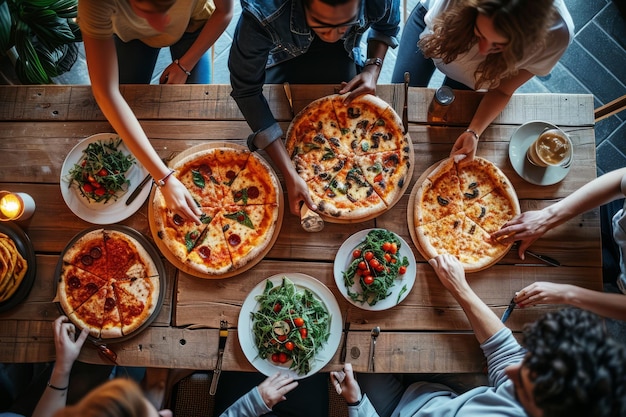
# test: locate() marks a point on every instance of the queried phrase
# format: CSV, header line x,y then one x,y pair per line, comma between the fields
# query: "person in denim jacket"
x,y
305,42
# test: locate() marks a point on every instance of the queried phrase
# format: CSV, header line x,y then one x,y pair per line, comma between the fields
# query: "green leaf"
x,y
240,217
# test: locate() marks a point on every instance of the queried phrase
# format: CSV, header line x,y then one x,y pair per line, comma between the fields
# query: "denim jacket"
x,y
272,31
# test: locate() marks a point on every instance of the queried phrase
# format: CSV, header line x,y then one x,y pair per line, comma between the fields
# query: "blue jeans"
x,y
137,51
410,57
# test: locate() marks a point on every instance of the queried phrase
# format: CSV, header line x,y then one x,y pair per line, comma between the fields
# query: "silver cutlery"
x,y
220,355
374,335
137,190
342,354
405,109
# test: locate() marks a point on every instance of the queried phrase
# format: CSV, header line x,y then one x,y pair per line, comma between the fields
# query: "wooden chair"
x,y
610,109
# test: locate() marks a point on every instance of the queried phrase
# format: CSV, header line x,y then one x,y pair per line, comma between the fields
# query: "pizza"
x,y
108,283
457,208
355,158
238,194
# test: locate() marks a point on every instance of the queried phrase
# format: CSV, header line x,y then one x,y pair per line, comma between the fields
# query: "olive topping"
x,y
353,113
483,211
472,229
456,224
178,220
474,194
95,253
472,185
442,201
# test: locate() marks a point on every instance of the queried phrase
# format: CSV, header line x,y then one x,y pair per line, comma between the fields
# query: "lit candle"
x,y
15,206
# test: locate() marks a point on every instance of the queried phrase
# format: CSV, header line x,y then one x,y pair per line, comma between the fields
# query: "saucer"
x,y
520,141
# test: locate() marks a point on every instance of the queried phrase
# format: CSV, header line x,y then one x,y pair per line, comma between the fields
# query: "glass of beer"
x,y
552,148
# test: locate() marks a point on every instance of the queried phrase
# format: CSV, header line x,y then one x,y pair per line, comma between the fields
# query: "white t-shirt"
x,y
619,234
538,60
100,19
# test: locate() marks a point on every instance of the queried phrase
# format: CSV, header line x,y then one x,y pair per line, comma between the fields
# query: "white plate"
x,y
520,141
344,258
101,213
250,304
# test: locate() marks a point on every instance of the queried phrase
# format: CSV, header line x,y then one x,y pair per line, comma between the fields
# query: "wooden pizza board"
x,y
181,265
410,218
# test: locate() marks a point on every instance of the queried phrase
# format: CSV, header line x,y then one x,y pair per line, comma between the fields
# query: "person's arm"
x,y
365,82
261,399
213,28
531,225
450,271
103,73
67,350
491,105
604,304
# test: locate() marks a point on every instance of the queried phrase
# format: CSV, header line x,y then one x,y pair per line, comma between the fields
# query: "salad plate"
x,y
112,211
402,285
250,305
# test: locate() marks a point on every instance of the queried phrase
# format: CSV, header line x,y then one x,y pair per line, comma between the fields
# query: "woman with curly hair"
x,y
485,45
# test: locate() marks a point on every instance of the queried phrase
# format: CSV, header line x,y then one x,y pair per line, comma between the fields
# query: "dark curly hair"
x,y
578,370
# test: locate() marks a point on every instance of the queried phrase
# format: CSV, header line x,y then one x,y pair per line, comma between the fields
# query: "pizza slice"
x,y
348,195
199,174
134,311
314,156
111,320
125,256
255,184
475,249
357,119
246,230
75,286
89,315
385,134
442,236
89,253
439,195
210,254
178,234
478,178
387,172
230,162
493,210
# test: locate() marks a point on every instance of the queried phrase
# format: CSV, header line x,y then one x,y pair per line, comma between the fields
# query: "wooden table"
x,y
428,332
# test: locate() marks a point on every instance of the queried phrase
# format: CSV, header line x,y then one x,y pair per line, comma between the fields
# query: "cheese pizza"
x,y
108,283
238,194
354,157
457,207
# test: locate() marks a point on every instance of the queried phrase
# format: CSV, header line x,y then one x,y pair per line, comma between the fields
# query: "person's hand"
x,y
450,272
542,293
464,149
298,193
527,227
274,388
66,345
173,74
363,83
179,200
345,384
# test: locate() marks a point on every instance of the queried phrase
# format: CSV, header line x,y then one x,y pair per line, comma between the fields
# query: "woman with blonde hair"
x,y
486,45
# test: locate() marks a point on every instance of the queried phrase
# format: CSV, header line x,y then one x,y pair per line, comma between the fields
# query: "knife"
x,y
137,190
220,355
544,258
342,354
509,310
289,98
405,109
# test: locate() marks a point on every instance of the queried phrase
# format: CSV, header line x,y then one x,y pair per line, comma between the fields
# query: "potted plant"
x,y
40,37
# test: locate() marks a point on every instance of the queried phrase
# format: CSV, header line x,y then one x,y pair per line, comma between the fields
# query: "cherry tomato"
x,y
387,257
274,357
378,178
394,248
394,260
368,255
362,265
277,307
386,246
96,184
402,270
103,172
356,253
298,321
281,337
282,357
368,280
100,191
289,345
91,178
375,263
367,272
359,272
88,188
303,332
82,164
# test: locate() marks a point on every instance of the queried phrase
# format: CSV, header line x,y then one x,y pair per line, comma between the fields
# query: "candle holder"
x,y
15,206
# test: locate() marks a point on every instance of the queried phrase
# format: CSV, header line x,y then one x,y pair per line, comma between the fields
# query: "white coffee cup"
x,y
552,148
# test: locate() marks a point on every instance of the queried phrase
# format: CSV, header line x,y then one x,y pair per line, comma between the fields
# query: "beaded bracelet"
x,y
182,68
57,388
473,133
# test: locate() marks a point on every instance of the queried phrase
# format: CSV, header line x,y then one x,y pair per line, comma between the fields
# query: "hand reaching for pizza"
x,y
363,83
465,145
450,272
275,387
66,345
179,200
527,227
298,193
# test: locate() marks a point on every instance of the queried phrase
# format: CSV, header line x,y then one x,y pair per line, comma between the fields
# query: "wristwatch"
x,y
374,61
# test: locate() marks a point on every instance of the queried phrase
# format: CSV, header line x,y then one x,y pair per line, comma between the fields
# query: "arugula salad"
x,y
290,326
100,175
376,264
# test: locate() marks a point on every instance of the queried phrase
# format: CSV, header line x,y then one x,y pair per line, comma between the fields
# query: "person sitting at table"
x,y
568,367
531,225
305,42
122,41
492,45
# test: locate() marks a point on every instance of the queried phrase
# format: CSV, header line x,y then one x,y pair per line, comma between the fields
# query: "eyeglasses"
x,y
339,26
